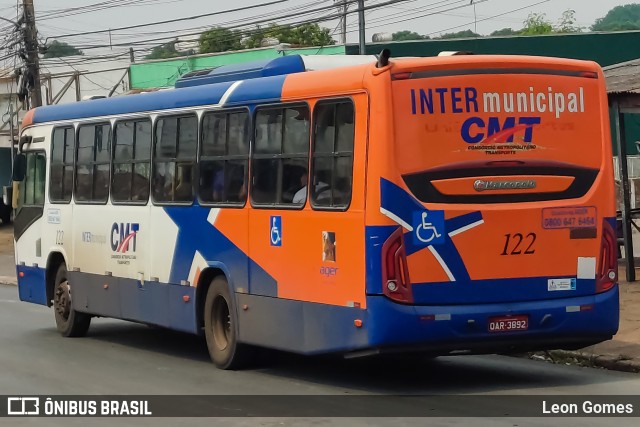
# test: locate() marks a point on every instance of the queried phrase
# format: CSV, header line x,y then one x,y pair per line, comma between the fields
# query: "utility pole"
x,y
342,8
31,47
361,27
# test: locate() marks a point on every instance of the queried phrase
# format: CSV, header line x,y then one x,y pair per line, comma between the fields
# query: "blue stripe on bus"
x,y
401,206
375,237
32,287
246,70
196,234
506,290
127,104
167,305
392,324
267,89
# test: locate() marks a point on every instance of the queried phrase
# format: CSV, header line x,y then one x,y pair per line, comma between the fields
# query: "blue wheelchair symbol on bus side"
x,y
276,230
428,228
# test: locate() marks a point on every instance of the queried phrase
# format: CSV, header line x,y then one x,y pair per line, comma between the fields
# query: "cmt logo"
x,y
476,129
123,236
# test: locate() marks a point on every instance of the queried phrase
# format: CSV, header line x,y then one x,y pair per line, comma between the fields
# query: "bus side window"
x,y
332,157
131,161
281,156
32,188
224,158
61,175
92,163
174,158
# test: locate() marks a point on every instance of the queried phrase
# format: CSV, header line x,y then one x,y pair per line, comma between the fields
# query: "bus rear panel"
x,y
497,205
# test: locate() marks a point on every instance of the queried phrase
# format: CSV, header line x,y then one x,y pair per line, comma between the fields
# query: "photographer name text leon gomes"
x,y
587,408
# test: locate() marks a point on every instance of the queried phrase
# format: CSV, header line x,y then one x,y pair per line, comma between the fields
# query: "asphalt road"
x,y
125,358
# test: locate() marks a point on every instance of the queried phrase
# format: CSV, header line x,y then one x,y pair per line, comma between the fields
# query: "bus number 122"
x,y
518,238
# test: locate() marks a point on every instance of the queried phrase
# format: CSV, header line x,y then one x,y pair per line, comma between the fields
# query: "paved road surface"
x,y
125,358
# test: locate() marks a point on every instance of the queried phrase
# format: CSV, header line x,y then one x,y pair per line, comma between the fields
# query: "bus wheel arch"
x,y
220,321
204,281
55,260
69,322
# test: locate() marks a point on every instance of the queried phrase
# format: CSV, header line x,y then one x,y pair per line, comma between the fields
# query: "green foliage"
x,y
505,32
220,39
536,24
165,51
619,18
301,35
59,49
407,35
567,23
459,35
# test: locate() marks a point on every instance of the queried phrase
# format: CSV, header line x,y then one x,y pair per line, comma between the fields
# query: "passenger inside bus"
x,y
301,194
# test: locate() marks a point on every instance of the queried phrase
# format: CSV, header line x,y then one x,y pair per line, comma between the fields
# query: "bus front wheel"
x,y
69,322
220,325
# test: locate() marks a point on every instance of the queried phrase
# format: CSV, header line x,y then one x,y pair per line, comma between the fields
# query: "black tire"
x,y
221,327
69,322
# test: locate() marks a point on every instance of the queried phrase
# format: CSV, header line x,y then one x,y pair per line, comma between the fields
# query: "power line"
x,y
239,9
259,21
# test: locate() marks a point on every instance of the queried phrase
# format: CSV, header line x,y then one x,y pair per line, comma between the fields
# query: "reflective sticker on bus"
x,y
572,217
329,246
567,284
428,228
275,232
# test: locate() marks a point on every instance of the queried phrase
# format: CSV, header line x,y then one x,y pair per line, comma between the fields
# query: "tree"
x,y
619,18
301,35
220,39
536,24
567,23
459,35
505,32
407,35
59,49
164,51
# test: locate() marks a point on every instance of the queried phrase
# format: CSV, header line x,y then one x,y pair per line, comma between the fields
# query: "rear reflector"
x,y
607,274
395,275
401,76
589,74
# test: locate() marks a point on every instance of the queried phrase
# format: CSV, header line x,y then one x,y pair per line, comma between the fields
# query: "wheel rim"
x,y
221,323
62,300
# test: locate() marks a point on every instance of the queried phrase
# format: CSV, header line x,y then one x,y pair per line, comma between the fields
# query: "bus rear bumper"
x,y
566,323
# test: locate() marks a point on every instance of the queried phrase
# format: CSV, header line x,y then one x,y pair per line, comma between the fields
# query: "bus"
x,y
356,206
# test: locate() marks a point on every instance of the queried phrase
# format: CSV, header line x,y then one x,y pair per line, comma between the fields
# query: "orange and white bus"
x,y
454,204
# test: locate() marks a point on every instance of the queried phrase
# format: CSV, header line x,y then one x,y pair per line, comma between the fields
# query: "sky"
x,y
430,17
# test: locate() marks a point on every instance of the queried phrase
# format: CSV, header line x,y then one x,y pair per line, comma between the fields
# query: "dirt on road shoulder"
x,y
6,240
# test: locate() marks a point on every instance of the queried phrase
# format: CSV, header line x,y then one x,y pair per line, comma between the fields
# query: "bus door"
x,y
32,246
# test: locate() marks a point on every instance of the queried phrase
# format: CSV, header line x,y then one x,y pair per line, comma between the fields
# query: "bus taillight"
x,y
608,271
395,274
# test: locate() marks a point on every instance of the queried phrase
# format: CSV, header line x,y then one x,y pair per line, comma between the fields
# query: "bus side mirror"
x,y
19,167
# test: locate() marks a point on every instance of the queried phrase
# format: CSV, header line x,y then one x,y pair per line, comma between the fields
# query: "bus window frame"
x,y
154,140
247,174
321,102
281,106
73,165
75,158
44,194
133,161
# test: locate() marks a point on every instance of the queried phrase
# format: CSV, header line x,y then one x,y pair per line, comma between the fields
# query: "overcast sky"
x,y
423,16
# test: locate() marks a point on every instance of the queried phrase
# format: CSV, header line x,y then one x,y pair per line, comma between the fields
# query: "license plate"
x,y
508,323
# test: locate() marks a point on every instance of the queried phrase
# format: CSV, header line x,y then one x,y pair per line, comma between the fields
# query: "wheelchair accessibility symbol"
x,y
428,228
276,230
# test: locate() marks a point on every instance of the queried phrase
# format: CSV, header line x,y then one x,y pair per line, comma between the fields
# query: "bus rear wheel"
x,y
69,322
220,325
